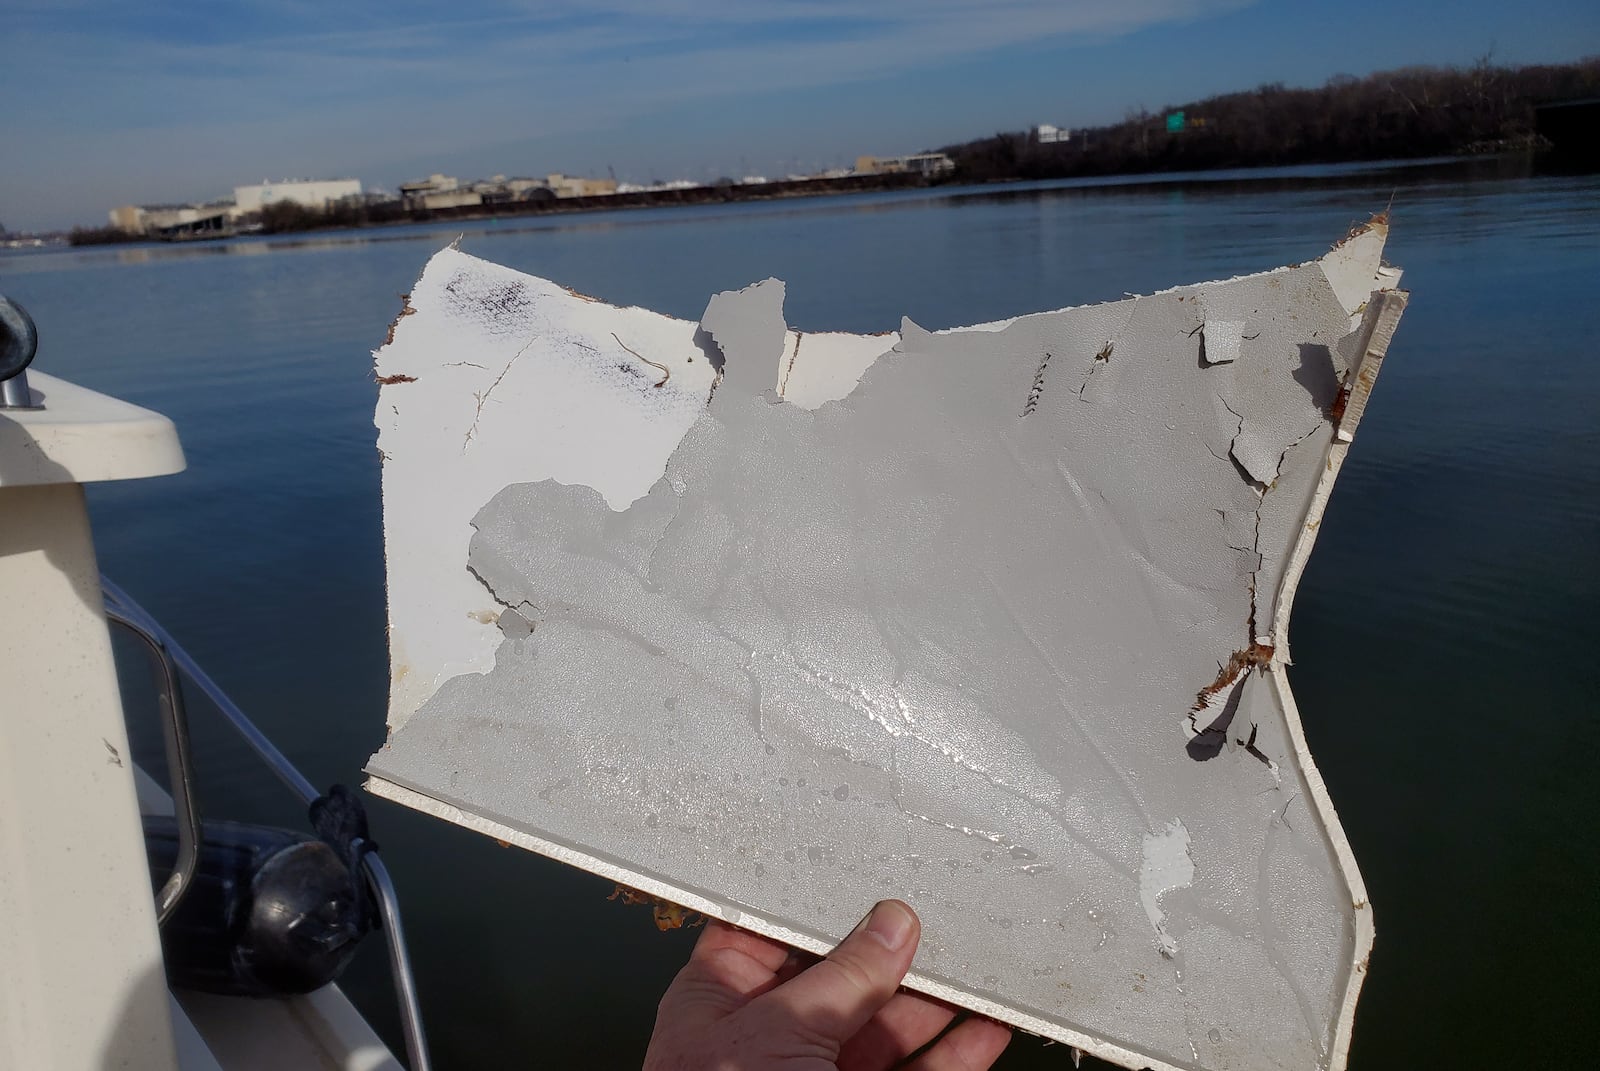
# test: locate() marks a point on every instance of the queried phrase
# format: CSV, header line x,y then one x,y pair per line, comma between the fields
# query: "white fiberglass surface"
x,y
992,623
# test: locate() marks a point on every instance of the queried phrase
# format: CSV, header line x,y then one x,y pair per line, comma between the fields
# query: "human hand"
x,y
742,1003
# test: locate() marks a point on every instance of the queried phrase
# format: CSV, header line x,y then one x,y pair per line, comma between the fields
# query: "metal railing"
x,y
173,659
180,765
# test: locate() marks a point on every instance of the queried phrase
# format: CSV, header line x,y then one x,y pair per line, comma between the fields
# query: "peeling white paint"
x,y
1222,340
1166,867
834,363
476,344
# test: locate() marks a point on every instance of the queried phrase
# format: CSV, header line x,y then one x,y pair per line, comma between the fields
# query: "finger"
x,y
719,935
908,1022
795,964
973,1044
727,969
835,998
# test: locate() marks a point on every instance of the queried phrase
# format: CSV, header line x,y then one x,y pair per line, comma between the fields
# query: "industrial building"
x,y
445,191
572,186
437,191
313,193
173,221
217,217
927,164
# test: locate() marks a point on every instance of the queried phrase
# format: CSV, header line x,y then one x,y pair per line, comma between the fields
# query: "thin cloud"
x,y
627,54
206,91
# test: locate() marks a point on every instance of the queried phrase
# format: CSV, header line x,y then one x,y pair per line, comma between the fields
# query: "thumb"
x,y
832,1000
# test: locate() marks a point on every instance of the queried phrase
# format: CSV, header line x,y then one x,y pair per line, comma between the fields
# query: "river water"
x,y
1444,635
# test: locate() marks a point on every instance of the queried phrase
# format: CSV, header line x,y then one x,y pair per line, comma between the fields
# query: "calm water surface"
x,y
1445,634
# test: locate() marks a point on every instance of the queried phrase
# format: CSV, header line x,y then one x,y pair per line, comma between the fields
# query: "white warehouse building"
x,y
311,193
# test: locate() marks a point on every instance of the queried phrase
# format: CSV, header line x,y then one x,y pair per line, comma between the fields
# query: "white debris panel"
x,y
776,624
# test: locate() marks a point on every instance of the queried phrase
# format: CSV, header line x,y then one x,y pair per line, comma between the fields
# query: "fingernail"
x,y
891,922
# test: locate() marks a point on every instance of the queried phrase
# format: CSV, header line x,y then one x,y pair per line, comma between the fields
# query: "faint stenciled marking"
x,y
842,792
1103,357
506,297
1038,386
113,756
1166,867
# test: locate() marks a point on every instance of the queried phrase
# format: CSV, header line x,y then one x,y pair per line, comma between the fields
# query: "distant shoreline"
x,y
795,190
387,215
1482,112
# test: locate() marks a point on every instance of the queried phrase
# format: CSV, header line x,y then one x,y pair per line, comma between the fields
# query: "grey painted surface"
x,y
942,640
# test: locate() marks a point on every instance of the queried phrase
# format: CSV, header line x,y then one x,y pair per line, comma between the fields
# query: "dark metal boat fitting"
x,y
19,341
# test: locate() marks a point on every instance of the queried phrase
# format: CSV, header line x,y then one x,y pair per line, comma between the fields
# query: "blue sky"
x,y
103,102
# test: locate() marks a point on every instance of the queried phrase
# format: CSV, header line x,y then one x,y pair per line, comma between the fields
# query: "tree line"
x,y
1407,113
